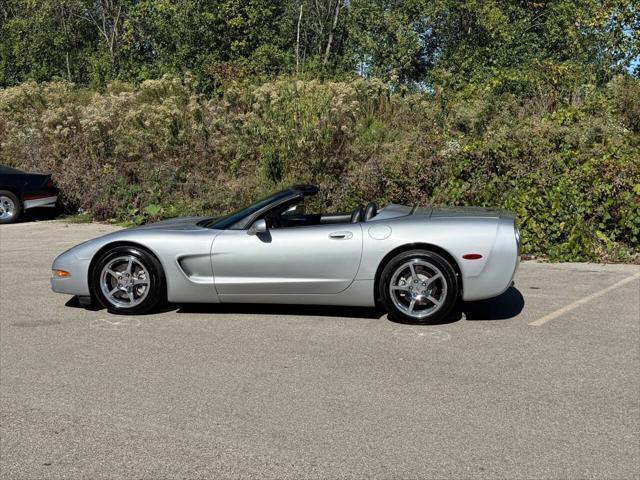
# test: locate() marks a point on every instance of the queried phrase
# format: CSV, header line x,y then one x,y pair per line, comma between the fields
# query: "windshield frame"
x,y
242,219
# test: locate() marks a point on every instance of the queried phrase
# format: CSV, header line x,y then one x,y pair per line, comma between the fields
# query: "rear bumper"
x,y
499,272
40,201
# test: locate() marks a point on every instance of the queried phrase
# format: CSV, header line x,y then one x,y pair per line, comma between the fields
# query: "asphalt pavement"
x,y
543,382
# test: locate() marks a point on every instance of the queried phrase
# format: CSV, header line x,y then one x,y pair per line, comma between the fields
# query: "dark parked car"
x,y
20,191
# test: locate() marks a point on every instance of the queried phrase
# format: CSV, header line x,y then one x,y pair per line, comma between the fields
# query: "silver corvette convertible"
x,y
415,262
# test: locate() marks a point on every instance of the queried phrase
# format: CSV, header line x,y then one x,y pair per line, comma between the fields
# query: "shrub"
x,y
570,169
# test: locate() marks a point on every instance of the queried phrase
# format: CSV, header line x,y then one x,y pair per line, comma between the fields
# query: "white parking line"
x,y
577,303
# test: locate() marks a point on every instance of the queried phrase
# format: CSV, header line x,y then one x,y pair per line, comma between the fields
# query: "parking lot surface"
x,y
543,382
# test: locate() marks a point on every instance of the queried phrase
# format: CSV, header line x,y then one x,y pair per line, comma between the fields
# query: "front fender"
x,y
183,254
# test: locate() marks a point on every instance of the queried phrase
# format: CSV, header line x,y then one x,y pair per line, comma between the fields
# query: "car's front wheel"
x,y
418,286
10,207
128,280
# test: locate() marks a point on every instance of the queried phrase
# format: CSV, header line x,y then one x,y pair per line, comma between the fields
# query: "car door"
x,y
293,260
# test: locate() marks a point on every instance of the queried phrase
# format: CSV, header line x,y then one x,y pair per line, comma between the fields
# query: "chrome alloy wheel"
x,y
7,207
124,282
418,288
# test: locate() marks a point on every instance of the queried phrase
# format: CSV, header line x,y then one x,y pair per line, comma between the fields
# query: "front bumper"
x,y
77,282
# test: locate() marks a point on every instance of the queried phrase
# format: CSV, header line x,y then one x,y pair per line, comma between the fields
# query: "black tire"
x,y
443,288
13,203
143,260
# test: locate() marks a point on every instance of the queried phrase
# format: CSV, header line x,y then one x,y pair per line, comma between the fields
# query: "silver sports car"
x,y
415,262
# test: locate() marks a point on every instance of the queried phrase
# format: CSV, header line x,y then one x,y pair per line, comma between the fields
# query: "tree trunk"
x,y
298,42
66,54
333,27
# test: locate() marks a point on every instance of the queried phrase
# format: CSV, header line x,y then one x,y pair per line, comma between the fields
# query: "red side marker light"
x,y
472,256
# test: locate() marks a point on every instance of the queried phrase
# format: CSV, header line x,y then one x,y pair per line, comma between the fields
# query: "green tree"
x,y
390,39
557,40
520,46
42,40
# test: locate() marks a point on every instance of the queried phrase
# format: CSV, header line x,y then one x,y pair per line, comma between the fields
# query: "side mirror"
x,y
259,226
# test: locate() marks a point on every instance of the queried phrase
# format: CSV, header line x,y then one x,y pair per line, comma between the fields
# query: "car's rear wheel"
x,y
10,207
418,286
128,280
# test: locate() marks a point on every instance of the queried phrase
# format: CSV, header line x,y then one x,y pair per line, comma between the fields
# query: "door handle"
x,y
340,235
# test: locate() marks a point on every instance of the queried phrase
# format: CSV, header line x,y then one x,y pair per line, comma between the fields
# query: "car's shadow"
x,y
506,306
41,214
277,309
503,307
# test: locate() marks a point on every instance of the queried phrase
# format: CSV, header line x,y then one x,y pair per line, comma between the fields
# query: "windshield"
x,y
227,221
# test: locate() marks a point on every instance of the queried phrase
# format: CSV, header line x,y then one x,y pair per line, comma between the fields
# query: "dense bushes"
x,y
569,167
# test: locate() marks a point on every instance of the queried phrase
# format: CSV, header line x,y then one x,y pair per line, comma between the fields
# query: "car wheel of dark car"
x,y
128,280
418,286
10,207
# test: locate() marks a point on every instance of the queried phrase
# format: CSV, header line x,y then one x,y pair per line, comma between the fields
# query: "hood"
x,y
180,223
